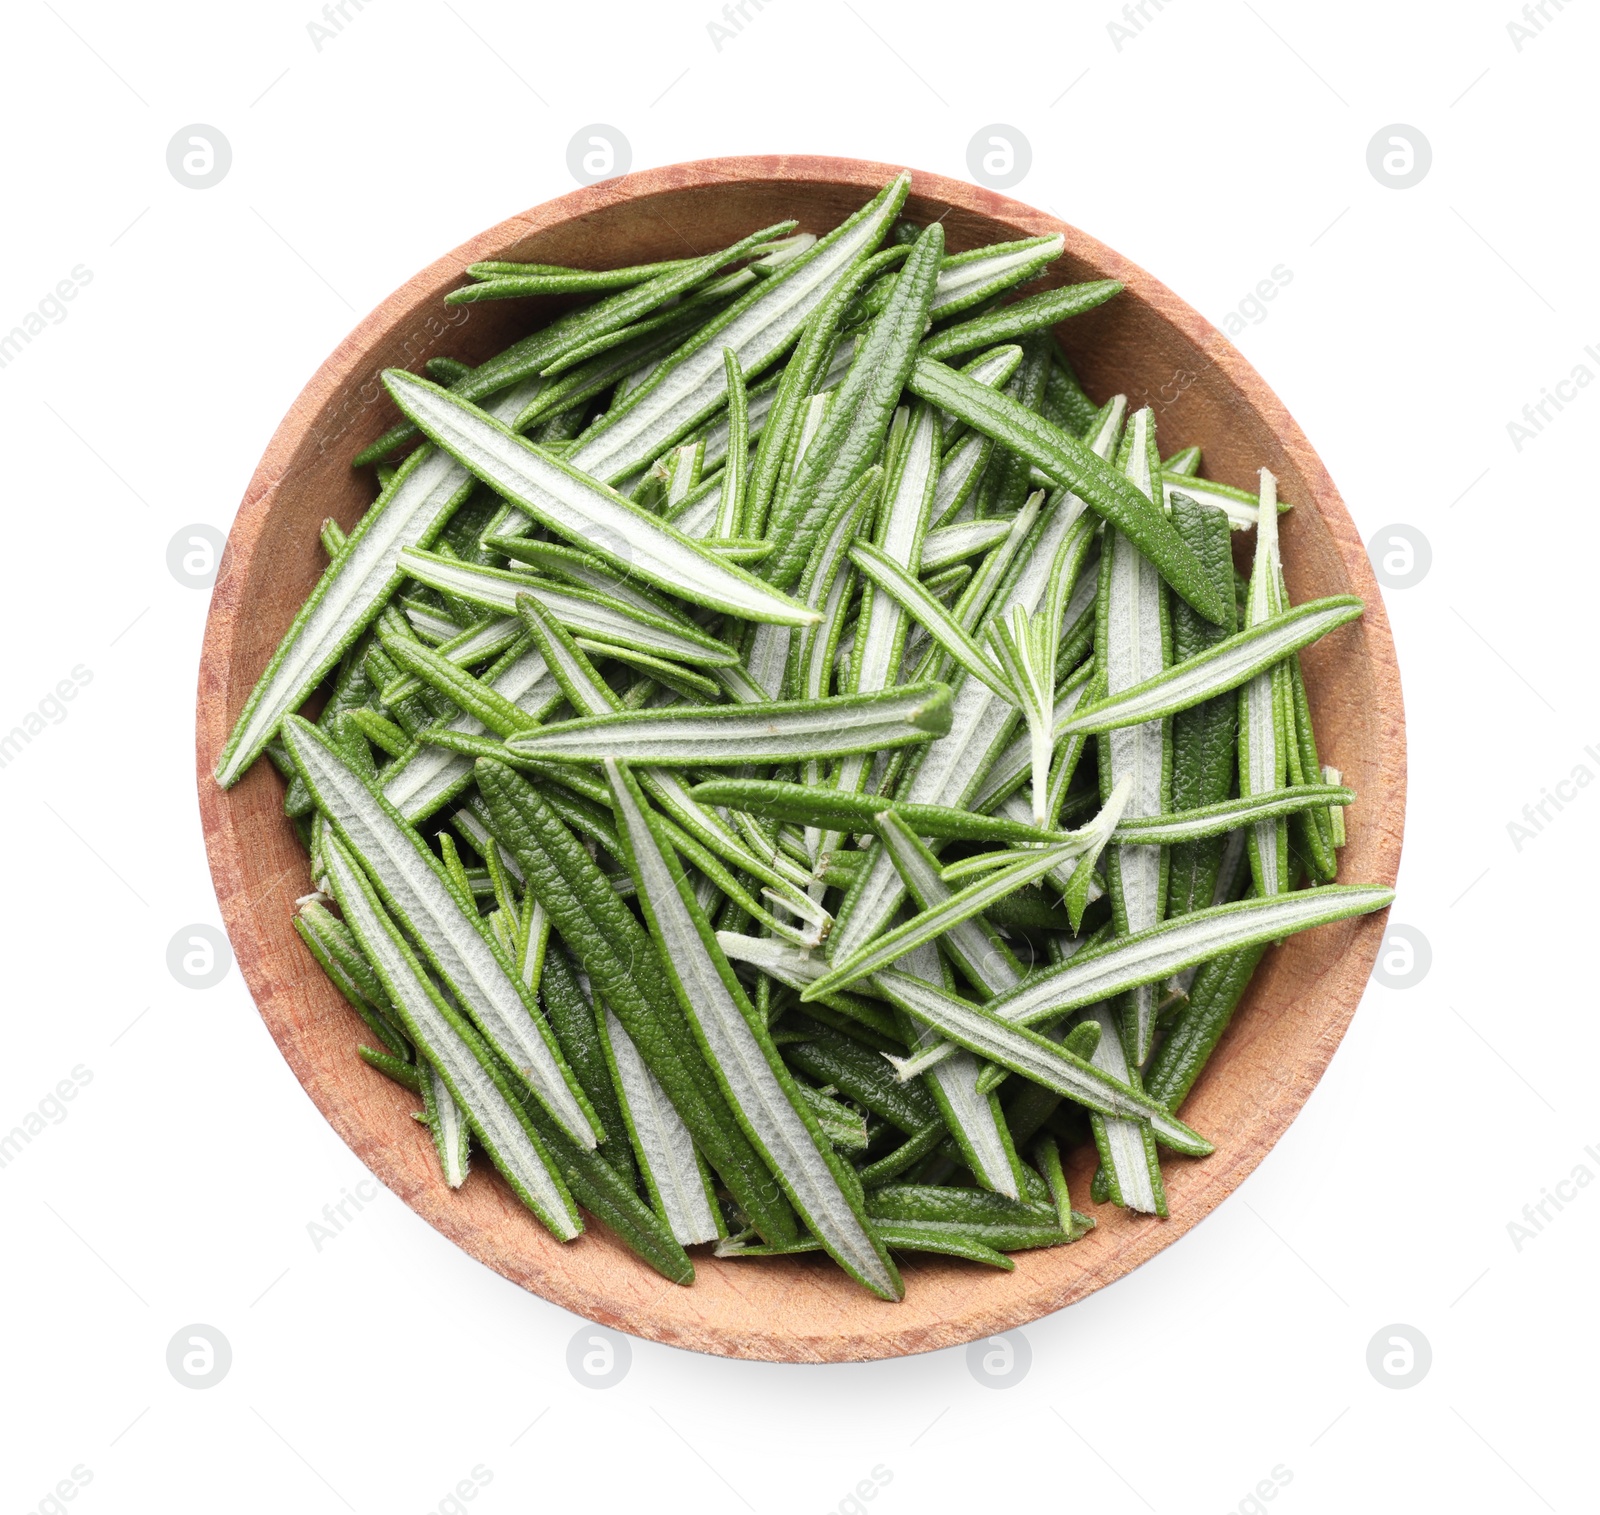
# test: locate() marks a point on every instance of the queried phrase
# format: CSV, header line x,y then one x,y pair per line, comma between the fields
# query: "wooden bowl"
x,y
1147,344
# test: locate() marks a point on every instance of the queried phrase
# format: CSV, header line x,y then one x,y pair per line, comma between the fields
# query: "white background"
x,y
1222,140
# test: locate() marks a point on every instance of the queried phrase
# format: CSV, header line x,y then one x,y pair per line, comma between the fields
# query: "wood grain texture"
x,y
1146,343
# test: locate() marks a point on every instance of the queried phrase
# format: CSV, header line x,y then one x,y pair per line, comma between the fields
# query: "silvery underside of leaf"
x,y
777,1125
457,945
353,587
514,1151
585,511
695,387
665,1148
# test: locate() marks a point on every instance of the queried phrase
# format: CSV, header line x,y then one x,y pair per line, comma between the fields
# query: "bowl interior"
x,y
1146,344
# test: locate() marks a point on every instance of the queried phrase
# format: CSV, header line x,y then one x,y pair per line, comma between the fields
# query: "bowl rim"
x,y
868,1331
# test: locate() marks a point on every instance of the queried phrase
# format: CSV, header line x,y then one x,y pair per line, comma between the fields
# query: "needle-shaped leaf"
x,y
564,995
845,446
1047,1159
1213,820
832,1057
624,966
974,1120
730,506
1035,1057
792,965
428,488
601,278
761,405
586,572
461,949
504,281
735,1040
1213,996
1127,1147
1020,318
1012,766
1126,962
1226,666
960,1206
1264,706
930,925
432,776
585,612
840,811
902,524
569,334
476,644
827,585
938,1237
454,1050
982,956
1205,736
803,380
950,544
662,1142
845,1128
476,697
779,732
1133,644
995,368
1026,650
691,386
1242,508
912,451
590,694
929,613
971,278
570,503
1076,467
946,772
447,1124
